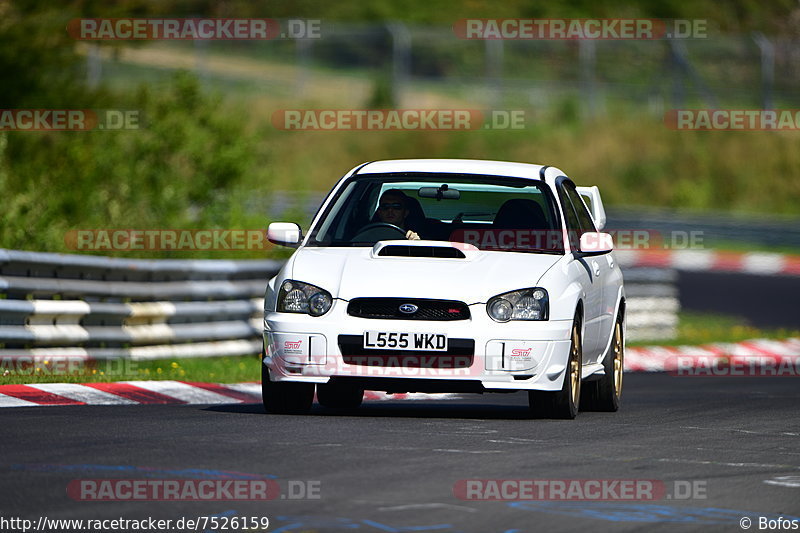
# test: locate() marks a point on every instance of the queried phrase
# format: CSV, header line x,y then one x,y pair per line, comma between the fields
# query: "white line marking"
x,y
784,481
739,465
413,506
737,430
467,451
520,439
501,441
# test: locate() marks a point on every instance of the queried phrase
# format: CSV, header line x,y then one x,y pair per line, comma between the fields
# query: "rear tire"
x,y
338,396
604,394
563,404
284,397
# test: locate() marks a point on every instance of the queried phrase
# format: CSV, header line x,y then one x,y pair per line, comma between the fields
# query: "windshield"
x,y
489,212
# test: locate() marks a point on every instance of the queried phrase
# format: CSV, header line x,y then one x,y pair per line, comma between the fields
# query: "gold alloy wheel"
x,y
575,366
619,359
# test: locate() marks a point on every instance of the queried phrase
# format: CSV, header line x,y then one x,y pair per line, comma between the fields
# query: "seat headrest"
x,y
520,213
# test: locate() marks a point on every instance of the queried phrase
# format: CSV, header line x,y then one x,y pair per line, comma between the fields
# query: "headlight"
x,y
525,304
299,297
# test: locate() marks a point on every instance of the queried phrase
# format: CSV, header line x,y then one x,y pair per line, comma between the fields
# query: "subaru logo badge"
x,y
408,309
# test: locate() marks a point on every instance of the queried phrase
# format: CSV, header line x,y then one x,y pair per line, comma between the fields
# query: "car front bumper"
x,y
516,355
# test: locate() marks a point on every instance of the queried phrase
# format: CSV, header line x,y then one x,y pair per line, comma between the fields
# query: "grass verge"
x,y
703,328
205,369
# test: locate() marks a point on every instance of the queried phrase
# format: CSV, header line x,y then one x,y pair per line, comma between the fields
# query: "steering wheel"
x,y
378,229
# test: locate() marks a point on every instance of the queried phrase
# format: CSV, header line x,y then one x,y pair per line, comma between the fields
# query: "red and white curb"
x,y
712,260
667,358
154,392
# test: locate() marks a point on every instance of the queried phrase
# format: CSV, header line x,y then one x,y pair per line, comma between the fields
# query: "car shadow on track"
x,y
400,409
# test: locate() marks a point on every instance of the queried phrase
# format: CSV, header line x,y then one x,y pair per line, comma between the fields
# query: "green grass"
x,y
210,369
702,328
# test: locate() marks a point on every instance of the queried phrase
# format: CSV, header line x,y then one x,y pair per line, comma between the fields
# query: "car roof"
x,y
461,166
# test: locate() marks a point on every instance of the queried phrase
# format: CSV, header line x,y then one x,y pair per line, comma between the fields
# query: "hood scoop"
x,y
398,250
417,249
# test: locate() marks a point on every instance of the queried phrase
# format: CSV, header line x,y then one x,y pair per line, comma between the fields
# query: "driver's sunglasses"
x,y
396,206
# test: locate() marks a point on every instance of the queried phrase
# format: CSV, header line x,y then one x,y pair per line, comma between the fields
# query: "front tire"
x,y
563,404
283,397
604,394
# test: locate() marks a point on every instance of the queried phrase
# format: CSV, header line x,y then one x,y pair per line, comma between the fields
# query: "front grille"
x,y
389,308
459,354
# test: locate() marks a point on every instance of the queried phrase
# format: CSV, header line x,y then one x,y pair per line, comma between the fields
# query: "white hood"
x,y
359,272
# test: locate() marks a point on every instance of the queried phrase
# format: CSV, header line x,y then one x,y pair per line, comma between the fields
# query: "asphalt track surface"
x,y
761,301
393,465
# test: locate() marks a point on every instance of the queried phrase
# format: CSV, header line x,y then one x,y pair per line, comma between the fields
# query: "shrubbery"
x,y
179,170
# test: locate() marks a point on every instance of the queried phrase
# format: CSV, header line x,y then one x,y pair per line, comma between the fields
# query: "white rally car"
x,y
448,276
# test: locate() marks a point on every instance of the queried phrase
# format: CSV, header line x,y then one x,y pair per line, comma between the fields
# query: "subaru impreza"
x,y
439,275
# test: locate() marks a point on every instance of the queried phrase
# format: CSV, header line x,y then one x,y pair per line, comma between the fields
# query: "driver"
x,y
393,209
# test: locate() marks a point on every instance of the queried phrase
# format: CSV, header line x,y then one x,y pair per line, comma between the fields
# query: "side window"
x,y
571,219
587,224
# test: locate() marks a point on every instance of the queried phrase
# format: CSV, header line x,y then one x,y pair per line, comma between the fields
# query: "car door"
x,y
590,269
606,272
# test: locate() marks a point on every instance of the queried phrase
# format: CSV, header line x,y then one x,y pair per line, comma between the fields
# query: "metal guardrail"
x,y
652,303
714,229
94,307
106,308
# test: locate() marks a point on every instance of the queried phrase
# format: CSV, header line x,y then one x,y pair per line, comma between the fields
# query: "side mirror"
x,y
284,233
596,243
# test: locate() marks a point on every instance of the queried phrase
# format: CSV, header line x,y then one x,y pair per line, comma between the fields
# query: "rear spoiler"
x,y
591,197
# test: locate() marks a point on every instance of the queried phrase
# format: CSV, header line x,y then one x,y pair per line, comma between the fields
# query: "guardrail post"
x,y
494,70
767,68
401,58
587,52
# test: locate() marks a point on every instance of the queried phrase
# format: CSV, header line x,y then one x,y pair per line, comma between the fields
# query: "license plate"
x,y
384,340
